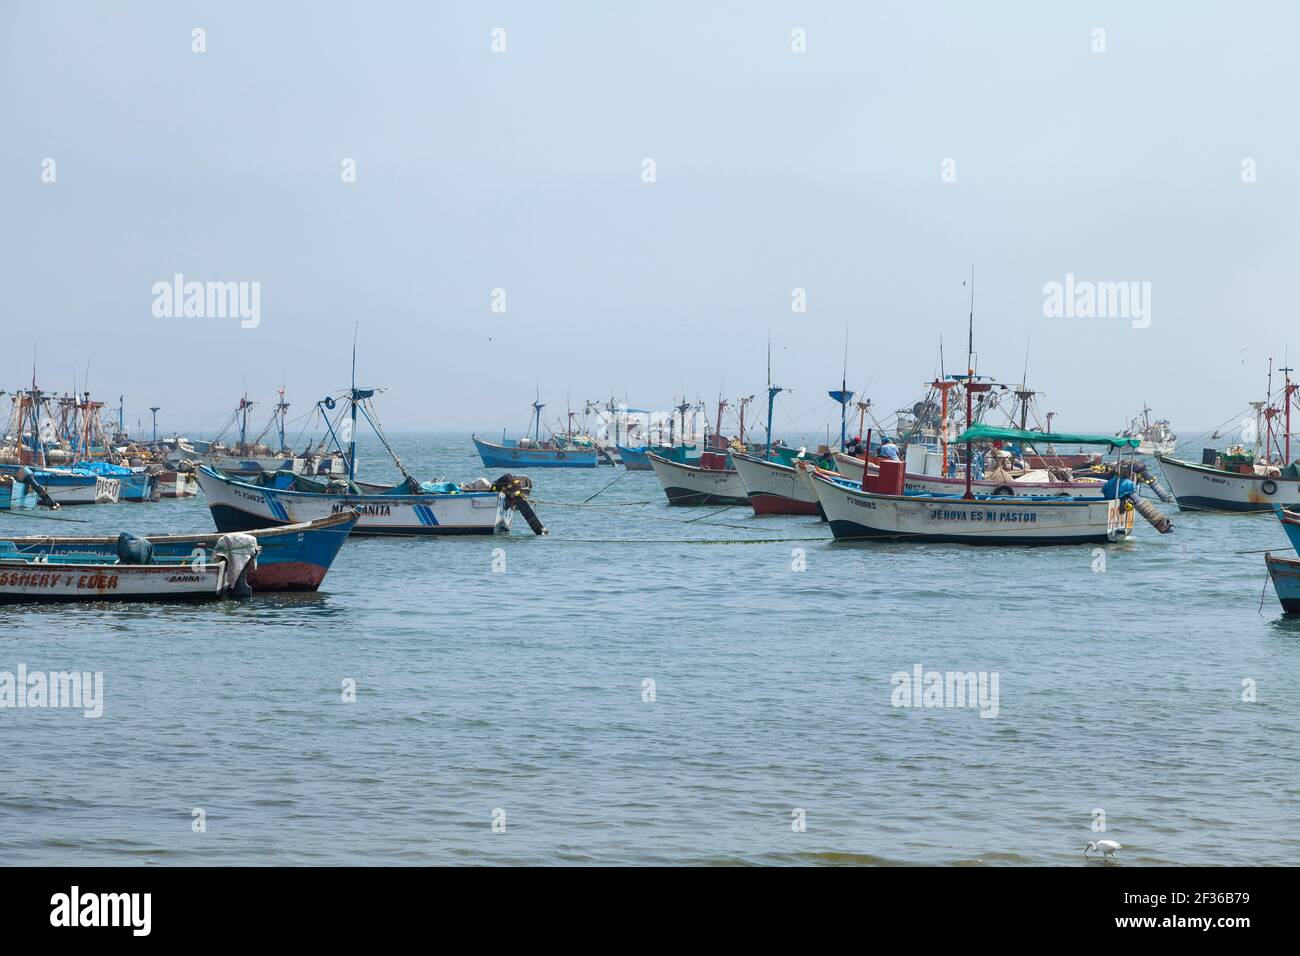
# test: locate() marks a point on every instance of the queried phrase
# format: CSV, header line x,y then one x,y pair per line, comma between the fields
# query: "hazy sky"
x,y
523,171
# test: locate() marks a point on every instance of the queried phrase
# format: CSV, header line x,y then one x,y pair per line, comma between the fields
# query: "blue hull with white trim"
x,y
239,506
517,456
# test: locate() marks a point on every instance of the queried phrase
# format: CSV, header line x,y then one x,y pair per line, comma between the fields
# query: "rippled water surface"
x,y
522,691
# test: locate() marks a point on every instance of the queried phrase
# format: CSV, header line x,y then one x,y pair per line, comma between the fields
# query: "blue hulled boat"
x,y
1285,572
15,494
562,451
134,484
294,557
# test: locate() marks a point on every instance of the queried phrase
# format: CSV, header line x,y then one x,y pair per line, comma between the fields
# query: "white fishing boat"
x,y
247,456
1230,481
243,505
44,578
1157,437
883,509
177,483
408,507
698,484
774,488
855,514
1241,478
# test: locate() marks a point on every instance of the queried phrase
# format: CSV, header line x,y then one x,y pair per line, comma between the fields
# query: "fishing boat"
x,y
709,483
1157,436
1284,572
293,557
1230,481
559,451
134,484
679,447
855,514
1241,478
880,508
774,488
406,508
248,454
16,494
177,483
69,486
771,479
402,509
40,440
45,578
714,481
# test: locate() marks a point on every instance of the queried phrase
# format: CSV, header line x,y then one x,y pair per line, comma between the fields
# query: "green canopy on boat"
x,y
982,432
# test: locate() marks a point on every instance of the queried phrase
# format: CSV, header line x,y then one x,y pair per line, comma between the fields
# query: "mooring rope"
x,y
23,514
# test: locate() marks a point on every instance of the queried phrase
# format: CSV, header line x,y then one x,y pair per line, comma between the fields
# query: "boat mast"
x,y
772,392
352,397
1286,392
845,395
681,412
971,387
283,409
743,403
538,405
1268,414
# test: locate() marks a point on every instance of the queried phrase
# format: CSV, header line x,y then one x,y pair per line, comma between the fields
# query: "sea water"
x,y
652,684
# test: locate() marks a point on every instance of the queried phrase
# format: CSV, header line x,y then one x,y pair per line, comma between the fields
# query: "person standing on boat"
x,y
888,449
854,446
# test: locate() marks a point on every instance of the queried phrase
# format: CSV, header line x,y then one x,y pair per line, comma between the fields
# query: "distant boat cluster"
x,y
973,461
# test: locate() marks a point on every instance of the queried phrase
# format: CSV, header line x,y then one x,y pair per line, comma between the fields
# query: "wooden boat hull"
x,y
516,458
240,506
1202,488
72,487
851,468
859,515
294,557
773,488
23,581
1285,575
634,459
14,495
691,485
177,484
138,487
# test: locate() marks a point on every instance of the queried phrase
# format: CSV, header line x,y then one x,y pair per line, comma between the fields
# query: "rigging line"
x,y
23,514
679,540
608,486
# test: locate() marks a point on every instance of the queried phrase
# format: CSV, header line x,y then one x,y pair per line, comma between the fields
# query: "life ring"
x,y
1004,490
1269,487
514,454
329,402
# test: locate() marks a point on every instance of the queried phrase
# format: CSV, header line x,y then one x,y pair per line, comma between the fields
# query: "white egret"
x,y
1107,848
